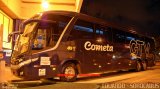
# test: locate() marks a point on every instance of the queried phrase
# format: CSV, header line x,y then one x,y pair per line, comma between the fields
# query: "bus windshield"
x,y
40,34
22,41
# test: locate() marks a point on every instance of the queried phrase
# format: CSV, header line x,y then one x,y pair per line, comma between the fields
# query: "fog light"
x,y
53,68
21,73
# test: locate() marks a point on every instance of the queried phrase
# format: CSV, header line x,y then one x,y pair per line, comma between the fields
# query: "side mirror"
x,y
10,36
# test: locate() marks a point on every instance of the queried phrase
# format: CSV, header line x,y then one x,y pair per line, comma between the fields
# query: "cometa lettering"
x,y
89,46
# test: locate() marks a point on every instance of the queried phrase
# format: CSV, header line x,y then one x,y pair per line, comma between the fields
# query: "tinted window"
x,y
108,34
118,36
104,32
130,37
82,30
151,42
100,30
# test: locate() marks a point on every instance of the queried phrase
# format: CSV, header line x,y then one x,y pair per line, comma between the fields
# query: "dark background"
x,y
141,15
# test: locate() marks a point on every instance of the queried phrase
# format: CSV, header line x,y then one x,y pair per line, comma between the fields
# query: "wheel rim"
x,y
69,72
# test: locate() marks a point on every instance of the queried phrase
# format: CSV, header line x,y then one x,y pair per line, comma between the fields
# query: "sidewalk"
x,y
9,76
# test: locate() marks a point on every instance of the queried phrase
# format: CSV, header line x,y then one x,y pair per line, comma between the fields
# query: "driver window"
x,y
43,39
47,35
40,40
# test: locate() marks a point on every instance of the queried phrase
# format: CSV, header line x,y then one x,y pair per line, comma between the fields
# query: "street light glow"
x,y
45,5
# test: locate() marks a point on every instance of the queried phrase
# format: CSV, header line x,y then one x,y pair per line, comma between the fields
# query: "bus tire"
x,y
138,66
69,72
154,62
144,65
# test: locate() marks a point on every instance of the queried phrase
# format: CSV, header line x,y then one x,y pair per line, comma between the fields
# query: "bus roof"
x,y
93,20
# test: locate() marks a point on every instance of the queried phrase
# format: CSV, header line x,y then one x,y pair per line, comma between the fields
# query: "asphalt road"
x,y
123,79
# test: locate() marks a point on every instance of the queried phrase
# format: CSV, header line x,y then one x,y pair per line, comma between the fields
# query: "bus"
x,y
66,44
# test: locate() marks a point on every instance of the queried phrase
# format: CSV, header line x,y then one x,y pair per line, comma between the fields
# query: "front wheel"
x,y
69,72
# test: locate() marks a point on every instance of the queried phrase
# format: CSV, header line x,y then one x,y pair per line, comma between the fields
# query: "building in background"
x,y
7,27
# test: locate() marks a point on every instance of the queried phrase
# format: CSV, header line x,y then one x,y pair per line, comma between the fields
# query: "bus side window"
x,y
108,34
130,37
150,41
99,30
81,30
59,28
118,36
104,32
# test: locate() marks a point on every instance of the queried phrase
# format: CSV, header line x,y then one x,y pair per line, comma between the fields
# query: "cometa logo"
x,y
89,46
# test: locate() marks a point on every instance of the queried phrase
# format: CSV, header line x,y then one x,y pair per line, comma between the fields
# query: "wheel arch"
x,y
76,62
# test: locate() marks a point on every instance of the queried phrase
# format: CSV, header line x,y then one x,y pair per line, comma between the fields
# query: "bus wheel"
x,y
154,62
144,65
69,72
138,66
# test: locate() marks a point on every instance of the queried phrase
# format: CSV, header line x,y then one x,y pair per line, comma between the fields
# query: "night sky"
x,y
141,15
